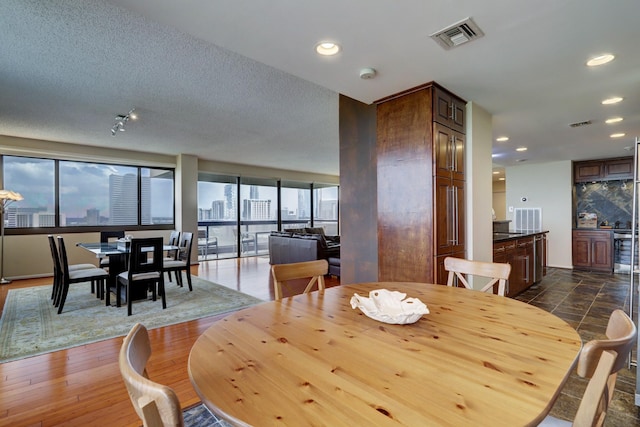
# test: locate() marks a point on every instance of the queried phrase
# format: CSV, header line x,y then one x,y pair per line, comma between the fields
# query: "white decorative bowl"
x,y
390,307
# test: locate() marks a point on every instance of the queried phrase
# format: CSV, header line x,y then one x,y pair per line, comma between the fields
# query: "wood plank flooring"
x,y
81,386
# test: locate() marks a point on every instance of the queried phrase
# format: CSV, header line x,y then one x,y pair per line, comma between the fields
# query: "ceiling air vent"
x,y
457,34
578,124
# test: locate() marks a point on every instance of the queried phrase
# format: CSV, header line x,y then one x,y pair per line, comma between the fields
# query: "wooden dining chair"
x,y
107,236
57,270
155,404
459,268
174,240
182,262
68,276
315,270
600,361
145,271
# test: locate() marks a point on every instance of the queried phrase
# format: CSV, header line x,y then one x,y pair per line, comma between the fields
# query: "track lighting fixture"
x,y
121,120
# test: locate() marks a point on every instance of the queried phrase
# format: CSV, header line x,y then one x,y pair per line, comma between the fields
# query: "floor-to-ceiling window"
x,y
325,208
237,214
258,214
217,216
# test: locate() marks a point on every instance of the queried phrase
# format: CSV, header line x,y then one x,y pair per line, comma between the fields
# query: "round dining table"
x,y
312,360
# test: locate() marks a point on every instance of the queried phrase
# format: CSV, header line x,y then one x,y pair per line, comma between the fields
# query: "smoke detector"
x,y
367,73
459,33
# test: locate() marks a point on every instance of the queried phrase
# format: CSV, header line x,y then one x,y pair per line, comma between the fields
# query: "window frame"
x,y
88,228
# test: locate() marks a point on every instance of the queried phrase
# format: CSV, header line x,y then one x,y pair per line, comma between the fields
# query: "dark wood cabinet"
x,y
592,250
421,188
448,152
619,168
448,109
603,170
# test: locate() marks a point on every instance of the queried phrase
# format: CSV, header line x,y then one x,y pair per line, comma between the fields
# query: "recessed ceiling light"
x,y
617,135
613,120
327,48
600,60
502,138
521,149
496,172
501,179
613,100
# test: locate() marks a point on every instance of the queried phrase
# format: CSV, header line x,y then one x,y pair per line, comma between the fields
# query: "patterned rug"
x,y
30,324
199,416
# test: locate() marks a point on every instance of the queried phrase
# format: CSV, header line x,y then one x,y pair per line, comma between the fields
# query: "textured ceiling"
x,y
239,81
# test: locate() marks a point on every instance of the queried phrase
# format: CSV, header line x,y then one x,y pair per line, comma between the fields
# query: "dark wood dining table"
x,y
475,359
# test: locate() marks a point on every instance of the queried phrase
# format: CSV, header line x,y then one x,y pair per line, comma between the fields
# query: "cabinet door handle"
x,y
526,259
454,157
452,114
449,216
455,216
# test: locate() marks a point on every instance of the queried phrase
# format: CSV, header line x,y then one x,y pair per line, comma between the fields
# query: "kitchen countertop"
x,y
512,235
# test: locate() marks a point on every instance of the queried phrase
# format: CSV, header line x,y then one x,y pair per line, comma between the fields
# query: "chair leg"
x,y
107,295
162,292
118,289
187,272
129,303
179,277
63,297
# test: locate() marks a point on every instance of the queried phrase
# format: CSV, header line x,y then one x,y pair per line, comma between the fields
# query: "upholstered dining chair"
x,y
315,270
600,361
57,270
145,270
459,268
182,261
94,275
155,404
174,240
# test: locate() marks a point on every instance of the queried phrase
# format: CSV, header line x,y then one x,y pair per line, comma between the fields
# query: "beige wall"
x,y
546,186
478,173
29,255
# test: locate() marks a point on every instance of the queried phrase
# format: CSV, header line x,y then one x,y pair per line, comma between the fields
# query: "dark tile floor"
x,y
585,300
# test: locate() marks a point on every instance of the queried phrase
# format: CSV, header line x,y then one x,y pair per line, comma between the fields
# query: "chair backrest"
x,y
315,270
64,261
106,236
155,404
184,254
600,360
146,256
497,272
55,256
174,238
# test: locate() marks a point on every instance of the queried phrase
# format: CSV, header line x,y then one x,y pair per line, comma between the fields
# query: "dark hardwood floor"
x,y
82,386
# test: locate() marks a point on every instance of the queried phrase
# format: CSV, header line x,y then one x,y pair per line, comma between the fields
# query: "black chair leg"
x,y
63,298
163,296
129,302
188,274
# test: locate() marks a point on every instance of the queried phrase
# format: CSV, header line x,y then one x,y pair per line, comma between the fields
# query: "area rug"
x,y
30,324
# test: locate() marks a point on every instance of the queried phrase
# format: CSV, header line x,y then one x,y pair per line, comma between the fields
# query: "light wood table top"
x,y
476,359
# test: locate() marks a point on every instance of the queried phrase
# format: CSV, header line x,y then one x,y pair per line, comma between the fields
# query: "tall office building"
x,y
217,209
93,216
256,209
123,200
230,192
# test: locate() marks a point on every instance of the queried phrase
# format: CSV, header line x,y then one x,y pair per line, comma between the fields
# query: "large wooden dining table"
x,y
311,360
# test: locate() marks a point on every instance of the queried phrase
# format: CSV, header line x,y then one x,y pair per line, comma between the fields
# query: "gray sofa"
x,y
299,245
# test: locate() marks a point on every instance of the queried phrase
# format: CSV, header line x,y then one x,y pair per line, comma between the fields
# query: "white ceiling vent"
x,y
457,34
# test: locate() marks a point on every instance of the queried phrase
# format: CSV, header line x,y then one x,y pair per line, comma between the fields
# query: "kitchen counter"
x,y
511,235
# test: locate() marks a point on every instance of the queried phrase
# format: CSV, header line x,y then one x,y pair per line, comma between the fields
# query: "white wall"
x,y
500,199
547,186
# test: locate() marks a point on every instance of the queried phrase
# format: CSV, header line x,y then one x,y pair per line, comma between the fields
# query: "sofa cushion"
x,y
314,230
